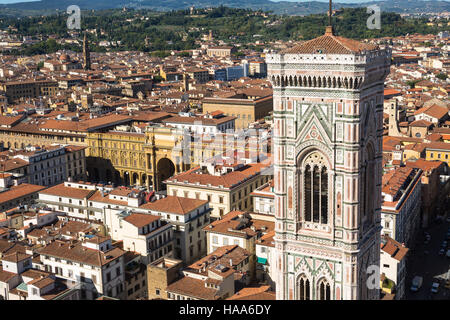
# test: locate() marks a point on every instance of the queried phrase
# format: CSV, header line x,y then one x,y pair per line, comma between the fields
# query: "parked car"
x,y
435,287
444,244
448,219
448,253
416,283
441,252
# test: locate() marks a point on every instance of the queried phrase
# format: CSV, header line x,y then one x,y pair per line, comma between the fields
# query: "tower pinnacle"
x,y
86,54
329,29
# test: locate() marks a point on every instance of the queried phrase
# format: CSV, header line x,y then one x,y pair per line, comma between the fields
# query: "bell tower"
x,y
86,54
328,124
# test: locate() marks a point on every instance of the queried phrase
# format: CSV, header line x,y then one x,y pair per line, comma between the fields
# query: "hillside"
x,y
283,7
150,31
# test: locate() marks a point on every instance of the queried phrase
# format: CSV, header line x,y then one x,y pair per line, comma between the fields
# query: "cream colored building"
x,y
247,109
143,233
226,189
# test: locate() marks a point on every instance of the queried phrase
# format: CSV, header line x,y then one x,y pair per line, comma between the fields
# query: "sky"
x,y
340,1
14,1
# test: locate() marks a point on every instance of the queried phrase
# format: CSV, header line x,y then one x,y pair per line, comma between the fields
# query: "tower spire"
x,y
329,13
329,29
86,54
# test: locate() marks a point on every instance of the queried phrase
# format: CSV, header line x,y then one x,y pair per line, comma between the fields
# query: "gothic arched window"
x,y
304,288
315,189
324,290
368,189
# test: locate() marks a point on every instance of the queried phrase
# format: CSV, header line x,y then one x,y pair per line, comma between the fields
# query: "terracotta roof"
x,y
437,145
97,197
41,282
434,137
97,239
421,123
238,224
80,253
393,181
254,293
72,228
140,219
221,255
329,44
228,180
63,191
16,257
172,204
389,92
267,239
425,165
6,276
10,121
193,288
434,111
8,247
19,191
12,164
395,249
86,125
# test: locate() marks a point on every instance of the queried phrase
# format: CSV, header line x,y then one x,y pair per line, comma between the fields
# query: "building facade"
x,y
328,120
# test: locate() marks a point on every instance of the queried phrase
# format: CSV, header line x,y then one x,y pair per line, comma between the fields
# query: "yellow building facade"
x,y
147,159
438,151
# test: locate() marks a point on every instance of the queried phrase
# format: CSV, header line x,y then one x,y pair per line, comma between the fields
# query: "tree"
x,y
184,54
442,76
412,83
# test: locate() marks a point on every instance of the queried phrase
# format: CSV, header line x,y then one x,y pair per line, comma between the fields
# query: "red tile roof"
x,y
19,191
394,248
172,204
329,44
228,180
69,192
254,293
141,219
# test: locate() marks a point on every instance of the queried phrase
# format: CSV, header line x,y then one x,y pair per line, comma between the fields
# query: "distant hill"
x,y
283,7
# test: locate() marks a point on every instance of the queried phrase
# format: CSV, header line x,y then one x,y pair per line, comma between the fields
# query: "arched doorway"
x,y
108,175
135,178
165,169
117,177
126,178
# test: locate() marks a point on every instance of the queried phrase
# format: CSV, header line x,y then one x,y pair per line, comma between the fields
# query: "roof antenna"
x,y
329,28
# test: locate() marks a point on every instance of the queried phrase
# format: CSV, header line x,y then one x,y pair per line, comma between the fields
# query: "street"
x,y
424,261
